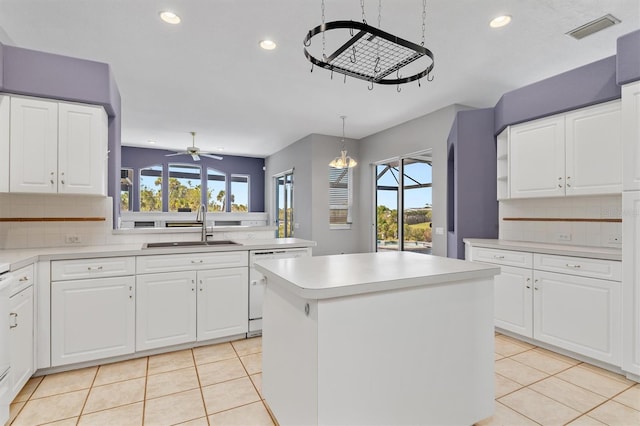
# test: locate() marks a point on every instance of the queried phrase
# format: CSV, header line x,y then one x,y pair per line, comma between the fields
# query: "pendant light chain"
x,y
379,12
424,18
323,37
364,18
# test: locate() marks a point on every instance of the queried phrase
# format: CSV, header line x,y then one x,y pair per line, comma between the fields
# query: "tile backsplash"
x,y
17,235
599,234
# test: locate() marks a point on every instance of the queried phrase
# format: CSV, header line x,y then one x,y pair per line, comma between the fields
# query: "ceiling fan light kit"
x,y
371,54
194,151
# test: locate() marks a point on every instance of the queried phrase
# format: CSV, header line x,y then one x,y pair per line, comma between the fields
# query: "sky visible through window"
x,y
414,198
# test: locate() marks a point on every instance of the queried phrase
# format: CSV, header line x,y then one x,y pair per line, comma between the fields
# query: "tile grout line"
x,y
84,404
204,404
144,396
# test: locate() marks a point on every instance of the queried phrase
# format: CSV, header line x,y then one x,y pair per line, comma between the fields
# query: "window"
x,y
151,189
184,187
126,190
284,204
404,204
216,188
340,197
239,193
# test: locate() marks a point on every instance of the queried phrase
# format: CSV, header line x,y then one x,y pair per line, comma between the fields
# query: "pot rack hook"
x,y
429,75
398,89
311,66
370,87
353,57
307,41
376,67
331,73
345,79
419,85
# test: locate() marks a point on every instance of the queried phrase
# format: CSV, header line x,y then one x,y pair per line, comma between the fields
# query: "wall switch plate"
x,y
564,236
72,239
615,239
439,230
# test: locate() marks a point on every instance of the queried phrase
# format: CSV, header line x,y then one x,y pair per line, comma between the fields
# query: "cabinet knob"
x,y
559,186
23,279
306,309
62,181
535,288
568,185
528,286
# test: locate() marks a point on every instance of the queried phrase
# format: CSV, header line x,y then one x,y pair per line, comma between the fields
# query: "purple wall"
x,y
628,58
138,158
473,208
580,87
46,75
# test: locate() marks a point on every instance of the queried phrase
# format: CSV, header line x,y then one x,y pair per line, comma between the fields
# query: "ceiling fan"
x,y
194,151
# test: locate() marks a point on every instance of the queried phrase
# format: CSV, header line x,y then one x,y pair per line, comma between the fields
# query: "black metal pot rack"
x,y
370,54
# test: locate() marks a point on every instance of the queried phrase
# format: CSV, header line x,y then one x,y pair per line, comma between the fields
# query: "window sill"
x,y
340,226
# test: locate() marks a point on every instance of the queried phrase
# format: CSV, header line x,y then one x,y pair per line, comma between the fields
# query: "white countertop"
x,y
17,258
324,277
547,248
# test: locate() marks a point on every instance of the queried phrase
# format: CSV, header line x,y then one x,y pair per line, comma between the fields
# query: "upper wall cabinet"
x,y
578,153
57,147
5,102
631,135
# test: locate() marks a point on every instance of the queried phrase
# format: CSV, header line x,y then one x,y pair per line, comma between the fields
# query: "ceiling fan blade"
x,y
177,153
216,157
195,157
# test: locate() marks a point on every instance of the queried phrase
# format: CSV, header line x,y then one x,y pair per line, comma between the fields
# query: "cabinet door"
x,y
536,163
223,303
166,309
594,150
33,146
513,300
21,339
631,136
5,108
92,319
579,314
631,282
82,149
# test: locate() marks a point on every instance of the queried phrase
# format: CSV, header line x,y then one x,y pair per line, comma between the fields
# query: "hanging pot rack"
x,y
370,54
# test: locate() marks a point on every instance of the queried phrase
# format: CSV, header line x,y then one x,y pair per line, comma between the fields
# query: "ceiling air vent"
x,y
594,26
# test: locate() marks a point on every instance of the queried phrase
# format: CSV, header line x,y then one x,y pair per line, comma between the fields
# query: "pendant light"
x,y
343,161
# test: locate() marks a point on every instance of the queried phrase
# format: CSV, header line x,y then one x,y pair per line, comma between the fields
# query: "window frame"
x,y
349,220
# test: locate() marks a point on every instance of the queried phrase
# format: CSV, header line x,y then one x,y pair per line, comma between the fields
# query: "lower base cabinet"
x,y
570,310
21,338
92,319
182,307
583,315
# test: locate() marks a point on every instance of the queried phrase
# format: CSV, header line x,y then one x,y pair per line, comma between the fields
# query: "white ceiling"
x,y
208,74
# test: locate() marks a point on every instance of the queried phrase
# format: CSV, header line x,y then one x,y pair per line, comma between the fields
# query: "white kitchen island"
x,y
392,338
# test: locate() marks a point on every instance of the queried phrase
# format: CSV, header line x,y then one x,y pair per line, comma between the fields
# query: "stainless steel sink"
x,y
190,244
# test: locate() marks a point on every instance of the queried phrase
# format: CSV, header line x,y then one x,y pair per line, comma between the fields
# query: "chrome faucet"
x,y
202,218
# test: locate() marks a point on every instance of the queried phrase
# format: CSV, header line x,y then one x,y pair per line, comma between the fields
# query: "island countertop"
x,y
324,277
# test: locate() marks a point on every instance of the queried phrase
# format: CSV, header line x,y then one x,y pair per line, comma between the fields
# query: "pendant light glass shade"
x,y
343,161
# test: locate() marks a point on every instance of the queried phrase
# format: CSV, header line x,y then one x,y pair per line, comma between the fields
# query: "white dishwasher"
x,y
257,282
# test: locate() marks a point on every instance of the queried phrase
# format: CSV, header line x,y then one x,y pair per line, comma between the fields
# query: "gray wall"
x,y
427,132
310,157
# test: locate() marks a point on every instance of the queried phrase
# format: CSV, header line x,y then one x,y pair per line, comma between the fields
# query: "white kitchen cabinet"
x,y
57,147
21,331
570,302
33,165
579,314
631,282
577,153
82,149
502,165
92,319
5,108
165,309
593,150
223,296
513,303
631,136
537,158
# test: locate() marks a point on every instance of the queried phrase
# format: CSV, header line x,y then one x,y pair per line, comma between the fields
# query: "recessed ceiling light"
x,y
500,21
151,142
220,149
170,17
268,44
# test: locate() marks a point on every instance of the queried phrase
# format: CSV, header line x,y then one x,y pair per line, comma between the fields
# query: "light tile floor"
x,y
220,385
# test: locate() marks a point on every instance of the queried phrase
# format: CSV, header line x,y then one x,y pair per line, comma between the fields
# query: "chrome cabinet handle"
x,y
62,178
94,268
51,180
14,317
197,261
571,265
498,257
23,279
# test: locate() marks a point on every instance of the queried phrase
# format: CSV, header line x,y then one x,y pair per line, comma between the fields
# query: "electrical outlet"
x,y
72,239
615,239
564,236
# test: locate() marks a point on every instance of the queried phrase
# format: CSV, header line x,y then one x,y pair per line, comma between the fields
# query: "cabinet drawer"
x,y
191,261
92,268
502,257
584,267
24,279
